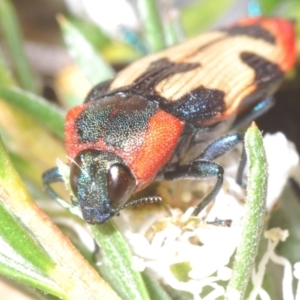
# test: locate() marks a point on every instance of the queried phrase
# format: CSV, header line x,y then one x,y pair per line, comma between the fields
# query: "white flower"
x,y
283,162
189,254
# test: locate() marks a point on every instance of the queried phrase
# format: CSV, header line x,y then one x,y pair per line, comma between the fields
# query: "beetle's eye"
x,y
121,184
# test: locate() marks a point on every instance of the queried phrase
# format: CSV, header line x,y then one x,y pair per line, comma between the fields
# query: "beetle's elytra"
x,y
165,116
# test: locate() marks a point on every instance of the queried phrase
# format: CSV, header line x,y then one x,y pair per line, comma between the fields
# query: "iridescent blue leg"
x,y
258,110
203,167
53,176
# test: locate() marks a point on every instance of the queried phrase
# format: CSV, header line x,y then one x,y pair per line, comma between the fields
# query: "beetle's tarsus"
x,y
51,176
219,174
219,222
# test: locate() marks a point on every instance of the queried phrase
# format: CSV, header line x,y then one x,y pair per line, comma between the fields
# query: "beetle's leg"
x,y
221,146
219,222
52,176
200,169
258,110
203,167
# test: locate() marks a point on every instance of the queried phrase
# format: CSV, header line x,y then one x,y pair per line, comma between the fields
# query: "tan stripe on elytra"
x,y
175,54
221,68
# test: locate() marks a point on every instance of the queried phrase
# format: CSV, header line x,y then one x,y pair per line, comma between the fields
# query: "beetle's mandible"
x,y
167,116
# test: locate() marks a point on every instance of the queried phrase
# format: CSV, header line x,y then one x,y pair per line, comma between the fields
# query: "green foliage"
x,y
33,250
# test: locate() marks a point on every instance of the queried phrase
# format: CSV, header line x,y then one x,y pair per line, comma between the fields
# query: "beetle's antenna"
x,y
146,200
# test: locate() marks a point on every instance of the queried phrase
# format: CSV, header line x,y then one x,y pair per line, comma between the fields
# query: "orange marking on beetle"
x,y
284,31
160,140
73,146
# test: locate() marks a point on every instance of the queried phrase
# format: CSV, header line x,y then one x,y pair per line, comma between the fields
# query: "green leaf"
x,y
5,74
38,108
255,212
13,266
129,282
268,6
173,32
17,236
200,14
92,64
153,29
91,32
32,246
33,146
21,257
13,39
155,289
52,117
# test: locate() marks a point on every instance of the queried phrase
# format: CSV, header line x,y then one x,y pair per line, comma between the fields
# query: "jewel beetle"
x,y
167,116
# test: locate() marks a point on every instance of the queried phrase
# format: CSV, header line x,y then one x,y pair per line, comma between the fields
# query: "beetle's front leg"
x,y
200,169
53,176
221,146
203,167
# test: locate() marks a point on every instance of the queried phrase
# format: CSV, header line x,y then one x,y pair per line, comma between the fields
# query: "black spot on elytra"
x,y
253,31
156,72
265,71
198,105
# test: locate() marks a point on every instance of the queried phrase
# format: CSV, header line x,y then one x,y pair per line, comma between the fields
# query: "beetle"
x,y
167,116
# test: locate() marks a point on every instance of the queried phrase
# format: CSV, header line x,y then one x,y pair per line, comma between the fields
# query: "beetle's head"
x,y
102,183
